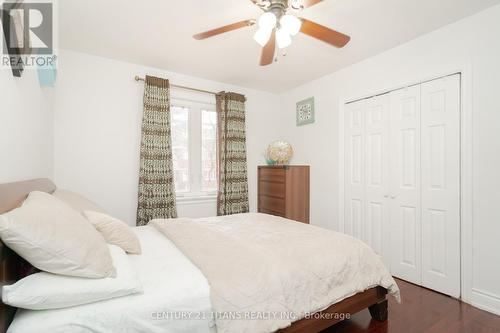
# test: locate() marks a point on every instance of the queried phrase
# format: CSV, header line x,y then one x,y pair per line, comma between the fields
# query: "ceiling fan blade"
x,y
226,28
324,34
299,4
309,3
269,50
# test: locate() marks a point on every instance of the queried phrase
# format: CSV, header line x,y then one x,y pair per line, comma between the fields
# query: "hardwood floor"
x,y
423,311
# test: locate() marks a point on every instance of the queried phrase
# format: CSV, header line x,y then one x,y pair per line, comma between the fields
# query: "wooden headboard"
x,y
13,267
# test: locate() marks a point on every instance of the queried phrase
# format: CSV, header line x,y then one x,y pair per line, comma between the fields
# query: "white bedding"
x,y
276,268
172,285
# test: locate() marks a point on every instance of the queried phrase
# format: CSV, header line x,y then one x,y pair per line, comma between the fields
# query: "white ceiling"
x,y
158,33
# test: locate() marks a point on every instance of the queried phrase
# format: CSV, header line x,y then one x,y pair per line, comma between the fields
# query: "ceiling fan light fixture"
x,y
267,21
291,24
262,36
283,38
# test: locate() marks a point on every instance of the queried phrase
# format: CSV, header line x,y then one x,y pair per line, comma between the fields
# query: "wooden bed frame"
x,y
14,268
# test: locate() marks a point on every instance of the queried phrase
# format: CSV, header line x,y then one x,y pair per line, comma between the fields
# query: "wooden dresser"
x,y
284,191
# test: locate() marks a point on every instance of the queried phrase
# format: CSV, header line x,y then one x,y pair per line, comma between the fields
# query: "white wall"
x,y
470,43
98,112
26,127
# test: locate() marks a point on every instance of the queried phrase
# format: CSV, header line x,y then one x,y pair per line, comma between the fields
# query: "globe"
x,y
280,151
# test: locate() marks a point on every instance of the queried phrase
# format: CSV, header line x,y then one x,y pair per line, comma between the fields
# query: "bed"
x,y
171,288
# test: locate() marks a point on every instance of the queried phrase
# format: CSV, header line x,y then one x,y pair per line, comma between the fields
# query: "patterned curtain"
x,y
232,197
156,177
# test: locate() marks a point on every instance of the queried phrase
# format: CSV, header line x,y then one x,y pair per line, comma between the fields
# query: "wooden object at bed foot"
x,y
379,311
374,299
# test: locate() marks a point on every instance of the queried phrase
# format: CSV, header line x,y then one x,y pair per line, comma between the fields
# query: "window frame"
x,y
195,138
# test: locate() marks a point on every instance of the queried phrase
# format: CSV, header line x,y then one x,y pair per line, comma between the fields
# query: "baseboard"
x,y
486,301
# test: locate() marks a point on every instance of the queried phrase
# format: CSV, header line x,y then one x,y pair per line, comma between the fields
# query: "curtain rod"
x,y
137,78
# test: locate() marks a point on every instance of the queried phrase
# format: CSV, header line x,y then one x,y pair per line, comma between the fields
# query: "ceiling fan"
x,y
277,27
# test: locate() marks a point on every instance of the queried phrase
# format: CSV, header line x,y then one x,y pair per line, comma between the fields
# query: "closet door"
x,y
406,238
354,214
374,230
441,185
366,164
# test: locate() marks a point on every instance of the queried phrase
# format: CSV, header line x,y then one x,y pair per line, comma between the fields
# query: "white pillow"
x,y
55,238
114,231
43,291
76,201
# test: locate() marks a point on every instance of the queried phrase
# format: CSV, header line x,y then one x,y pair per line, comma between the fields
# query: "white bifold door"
x,y
402,185
367,173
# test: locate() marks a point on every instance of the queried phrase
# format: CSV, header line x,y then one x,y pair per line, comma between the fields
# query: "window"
x,y
208,151
194,148
180,147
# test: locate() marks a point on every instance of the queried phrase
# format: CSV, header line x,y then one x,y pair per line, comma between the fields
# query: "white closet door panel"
x,y
354,215
441,185
405,200
374,230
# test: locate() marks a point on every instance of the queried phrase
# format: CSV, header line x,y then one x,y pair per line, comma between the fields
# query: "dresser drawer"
x,y
276,205
272,189
272,174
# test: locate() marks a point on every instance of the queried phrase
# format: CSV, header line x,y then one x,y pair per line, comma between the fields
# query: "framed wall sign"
x,y
305,112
